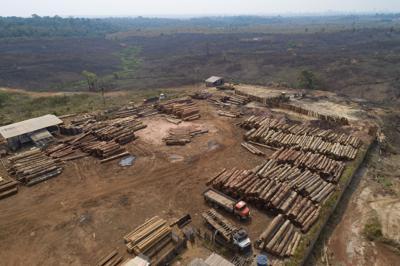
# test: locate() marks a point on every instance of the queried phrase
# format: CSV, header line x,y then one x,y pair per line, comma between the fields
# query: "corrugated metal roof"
x,y
29,125
213,79
216,260
136,261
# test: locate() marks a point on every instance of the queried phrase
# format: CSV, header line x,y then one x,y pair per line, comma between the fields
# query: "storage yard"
x,y
76,205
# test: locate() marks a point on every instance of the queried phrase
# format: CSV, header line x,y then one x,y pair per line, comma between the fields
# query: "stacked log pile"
x,y
279,133
280,237
8,188
281,197
341,121
228,114
255,122
102,139
252,149
143,238
182,136
272,100
306,183
235,99
131,111
331,170
183,108
34,166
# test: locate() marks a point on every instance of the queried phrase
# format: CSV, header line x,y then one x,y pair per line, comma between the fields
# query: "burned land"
x,y
317,163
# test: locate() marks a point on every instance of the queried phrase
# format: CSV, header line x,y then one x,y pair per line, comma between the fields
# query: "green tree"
x,y
3,98
91,79
307,80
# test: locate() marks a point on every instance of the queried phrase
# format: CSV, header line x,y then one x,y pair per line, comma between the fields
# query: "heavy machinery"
x,y
219,200
226,233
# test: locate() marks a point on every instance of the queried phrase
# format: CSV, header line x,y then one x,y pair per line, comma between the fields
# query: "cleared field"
x,y
83,213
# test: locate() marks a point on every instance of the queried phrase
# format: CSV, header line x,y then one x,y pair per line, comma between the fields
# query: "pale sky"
x,y
189,7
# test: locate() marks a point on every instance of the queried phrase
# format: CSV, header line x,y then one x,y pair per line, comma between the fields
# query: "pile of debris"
x,y
34,166
7,188
152,234
182,136
183,108
280,238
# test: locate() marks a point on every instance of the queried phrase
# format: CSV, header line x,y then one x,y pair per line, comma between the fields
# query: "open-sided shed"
x,y
22,132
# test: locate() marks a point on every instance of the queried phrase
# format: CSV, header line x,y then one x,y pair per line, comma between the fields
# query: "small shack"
x,y
214,81
36,130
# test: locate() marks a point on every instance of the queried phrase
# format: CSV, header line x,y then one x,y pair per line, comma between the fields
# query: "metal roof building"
x,y
28,126
29,130
214,81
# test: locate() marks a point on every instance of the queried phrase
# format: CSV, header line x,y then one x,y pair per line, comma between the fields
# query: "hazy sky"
x,y
188,7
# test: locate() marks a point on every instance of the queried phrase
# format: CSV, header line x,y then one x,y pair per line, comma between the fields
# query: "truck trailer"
x,y
219,200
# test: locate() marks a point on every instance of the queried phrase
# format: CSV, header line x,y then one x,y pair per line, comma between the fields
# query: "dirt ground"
x,y
76,217
82,214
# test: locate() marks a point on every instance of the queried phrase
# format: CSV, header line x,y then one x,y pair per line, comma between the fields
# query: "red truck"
x,y
221,201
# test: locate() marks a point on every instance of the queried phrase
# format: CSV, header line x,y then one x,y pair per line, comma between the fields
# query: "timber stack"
x,y
228,114
183,108
255,122
279,238
182,136
235,99
8,187
147,236
252,149
277,196
341,121
279,133
331,170
34,166
133,112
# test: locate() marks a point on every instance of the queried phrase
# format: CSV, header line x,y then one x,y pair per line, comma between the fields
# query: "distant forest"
x,y
48,27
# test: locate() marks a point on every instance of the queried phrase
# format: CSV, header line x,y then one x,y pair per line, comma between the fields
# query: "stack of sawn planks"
x,y
280,237
34,166
183,108
331,170
153,232
268,193
8,188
